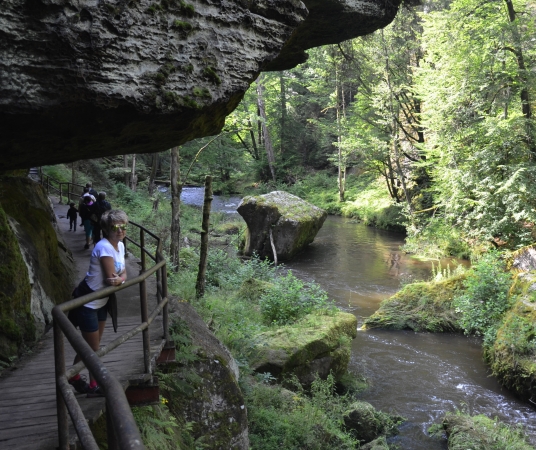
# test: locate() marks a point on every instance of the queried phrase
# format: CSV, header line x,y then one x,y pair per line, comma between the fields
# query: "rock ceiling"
x,y
81,79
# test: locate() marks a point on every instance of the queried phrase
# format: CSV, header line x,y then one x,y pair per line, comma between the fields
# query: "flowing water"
x,y
419,376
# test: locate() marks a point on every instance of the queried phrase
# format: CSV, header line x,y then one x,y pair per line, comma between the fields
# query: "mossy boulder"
x,y
367,424
208,394
523,260
36,267
425,306
292,221
317,344
16,321
513,354
253,289
481,433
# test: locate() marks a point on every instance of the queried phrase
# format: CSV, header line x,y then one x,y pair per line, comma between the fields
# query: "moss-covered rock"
x,y
16,322
377,444
206,387
513,354
293,222
317,344
425,306
37,270
253,289
481,433
368,424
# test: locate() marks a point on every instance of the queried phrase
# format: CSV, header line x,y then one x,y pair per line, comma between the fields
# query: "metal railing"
x,y
122,430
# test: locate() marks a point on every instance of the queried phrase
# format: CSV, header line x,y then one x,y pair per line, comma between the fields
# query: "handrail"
x,y
124,433
51,184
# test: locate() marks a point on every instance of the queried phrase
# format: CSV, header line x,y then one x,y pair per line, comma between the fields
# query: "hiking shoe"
x,y
94,392
80,385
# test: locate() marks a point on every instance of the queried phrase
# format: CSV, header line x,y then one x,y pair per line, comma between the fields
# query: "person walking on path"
x,y
89,215
91,191
72,215
106,268
85,193
102,205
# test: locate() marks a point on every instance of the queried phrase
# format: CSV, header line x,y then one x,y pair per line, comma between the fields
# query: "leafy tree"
x,y
479,143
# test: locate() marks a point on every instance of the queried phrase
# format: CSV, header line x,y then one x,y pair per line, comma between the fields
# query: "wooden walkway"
x,y
28,393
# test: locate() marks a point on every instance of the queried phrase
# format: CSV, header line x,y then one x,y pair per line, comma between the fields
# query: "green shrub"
x,y
283,419
480,432
485,299
436,239
289,299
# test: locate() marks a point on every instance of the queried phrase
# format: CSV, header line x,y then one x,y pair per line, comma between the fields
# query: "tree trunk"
x,y
203,252
152,176
338,90
283,125
267,141
133,176
125,166
176,188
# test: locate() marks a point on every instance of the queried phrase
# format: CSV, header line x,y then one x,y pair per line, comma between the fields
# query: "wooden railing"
x,y
61,188
122,430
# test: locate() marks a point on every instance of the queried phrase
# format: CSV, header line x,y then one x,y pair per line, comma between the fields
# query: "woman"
x,y
106,268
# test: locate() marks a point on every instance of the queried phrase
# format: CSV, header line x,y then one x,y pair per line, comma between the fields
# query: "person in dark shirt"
x,y
88,214
92,191
72,214
102,205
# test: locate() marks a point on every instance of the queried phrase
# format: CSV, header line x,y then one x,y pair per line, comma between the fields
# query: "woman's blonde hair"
x,y
110,217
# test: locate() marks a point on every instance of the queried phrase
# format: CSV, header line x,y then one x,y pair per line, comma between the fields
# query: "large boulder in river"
x,y
316,345
293,223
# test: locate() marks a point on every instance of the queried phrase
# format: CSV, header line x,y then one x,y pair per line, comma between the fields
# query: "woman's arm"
x,y
110,276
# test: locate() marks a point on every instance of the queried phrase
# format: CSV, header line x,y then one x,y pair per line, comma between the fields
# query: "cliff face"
x,y
81,79
36,269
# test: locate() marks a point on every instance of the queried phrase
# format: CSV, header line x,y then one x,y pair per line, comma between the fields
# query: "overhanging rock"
x,y
82,79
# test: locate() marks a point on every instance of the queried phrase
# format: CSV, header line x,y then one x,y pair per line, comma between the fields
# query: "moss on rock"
x,y
425,306
481,433
16,321
513,354
367,423
292,221
27,224
315,344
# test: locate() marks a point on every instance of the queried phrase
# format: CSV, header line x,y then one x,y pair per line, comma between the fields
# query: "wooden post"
x,y
200,285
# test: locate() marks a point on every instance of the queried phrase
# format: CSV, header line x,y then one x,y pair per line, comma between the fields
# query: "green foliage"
x,y
481,433
280,418
160,430
211,74
485,299
289,299
182,26
436,239
201,92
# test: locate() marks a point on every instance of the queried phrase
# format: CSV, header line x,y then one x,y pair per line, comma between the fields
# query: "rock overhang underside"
x,y
82,79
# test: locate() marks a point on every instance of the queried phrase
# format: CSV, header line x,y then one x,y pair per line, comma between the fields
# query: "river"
x,y
419,376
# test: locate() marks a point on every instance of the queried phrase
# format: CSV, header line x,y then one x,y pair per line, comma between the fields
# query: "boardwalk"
x,y
28,394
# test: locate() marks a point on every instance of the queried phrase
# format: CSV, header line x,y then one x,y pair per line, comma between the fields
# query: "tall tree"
x,y
176,190
264,127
